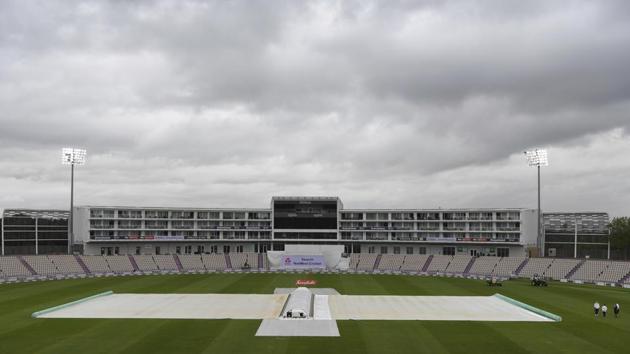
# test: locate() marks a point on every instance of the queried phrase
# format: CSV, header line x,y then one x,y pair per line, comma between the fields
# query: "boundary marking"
x,y
531,308
59,307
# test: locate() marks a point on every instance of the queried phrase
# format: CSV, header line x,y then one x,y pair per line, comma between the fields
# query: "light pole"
x,y
538,157
72,156
575,236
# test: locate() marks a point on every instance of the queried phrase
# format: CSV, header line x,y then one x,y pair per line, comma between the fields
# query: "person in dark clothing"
x,y
616,310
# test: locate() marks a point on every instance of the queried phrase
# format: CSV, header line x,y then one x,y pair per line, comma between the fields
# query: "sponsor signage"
x,y
306,282
441,239
169,237
302,262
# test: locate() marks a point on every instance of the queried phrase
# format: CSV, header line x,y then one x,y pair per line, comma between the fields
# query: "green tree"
x,y
620,235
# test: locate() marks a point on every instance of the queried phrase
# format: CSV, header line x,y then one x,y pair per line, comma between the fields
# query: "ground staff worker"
x,y
596,308
616,309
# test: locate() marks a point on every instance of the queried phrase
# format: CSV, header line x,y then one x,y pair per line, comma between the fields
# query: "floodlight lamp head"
x,y
72,156
537,157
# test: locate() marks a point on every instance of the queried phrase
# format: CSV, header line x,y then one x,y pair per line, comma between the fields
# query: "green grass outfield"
x,y
578,332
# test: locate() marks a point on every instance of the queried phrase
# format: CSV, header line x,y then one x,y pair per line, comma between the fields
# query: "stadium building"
x,y
112,230
32,231
303,220
579,235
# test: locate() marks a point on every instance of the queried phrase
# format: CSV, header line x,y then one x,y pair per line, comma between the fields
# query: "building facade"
x,y
311,220
583,234
32,231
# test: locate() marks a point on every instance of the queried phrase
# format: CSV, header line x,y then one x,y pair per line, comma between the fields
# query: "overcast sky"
x,y
407,104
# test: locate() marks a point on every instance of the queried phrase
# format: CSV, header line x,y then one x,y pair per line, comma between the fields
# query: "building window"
x,y
239,249
182,215
178,250
137,249
371,249
157,250
156,214
226,249
422,250
409,250
258,215
448,251
503,252
396,250
383,249
188,249
130,214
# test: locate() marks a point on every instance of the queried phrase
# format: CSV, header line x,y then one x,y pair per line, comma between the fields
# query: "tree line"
x,y
620,236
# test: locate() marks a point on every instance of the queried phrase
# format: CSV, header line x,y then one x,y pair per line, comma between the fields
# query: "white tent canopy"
x,y
299,302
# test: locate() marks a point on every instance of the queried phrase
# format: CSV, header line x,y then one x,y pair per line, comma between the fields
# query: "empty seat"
x,y
145,263
165,262
414,262
484,265
119,264
535,266
615,272
42,265
265,262
560,268
214,261
391,261
12,267
191,262
96,264
458,264
366,261
439,263
354,260
67,264
590,270
508,265
238,260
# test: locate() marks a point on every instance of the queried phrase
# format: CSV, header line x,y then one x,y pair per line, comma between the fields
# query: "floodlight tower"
x,y
72,156
538,157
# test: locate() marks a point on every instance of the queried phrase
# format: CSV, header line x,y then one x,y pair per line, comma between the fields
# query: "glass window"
x,y
448,251
503,252
182,215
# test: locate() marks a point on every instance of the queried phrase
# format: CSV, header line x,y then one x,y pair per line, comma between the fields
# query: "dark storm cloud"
x,y
365,99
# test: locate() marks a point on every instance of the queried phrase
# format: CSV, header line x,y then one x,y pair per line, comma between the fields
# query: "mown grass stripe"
x,y
63,306
529,307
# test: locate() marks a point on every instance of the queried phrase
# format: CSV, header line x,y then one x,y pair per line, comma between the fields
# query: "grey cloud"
x,y
244,99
